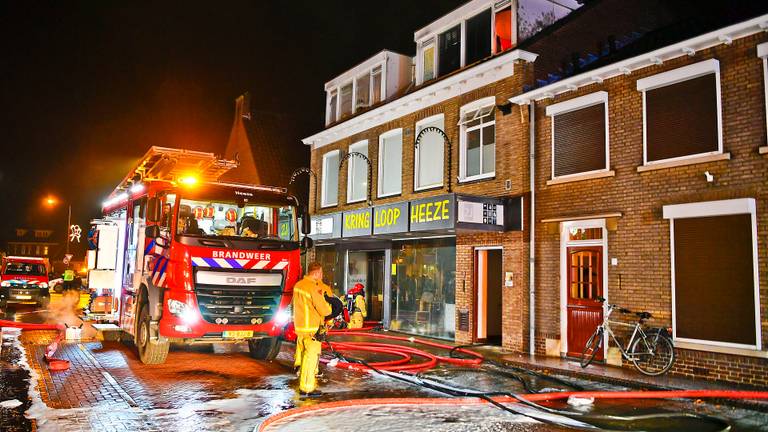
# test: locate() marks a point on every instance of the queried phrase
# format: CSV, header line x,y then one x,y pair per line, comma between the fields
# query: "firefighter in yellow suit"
x,y
356,306
309,312
327,292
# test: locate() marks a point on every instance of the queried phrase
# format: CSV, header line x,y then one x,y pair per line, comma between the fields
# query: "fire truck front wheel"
x,y
151,350
265,348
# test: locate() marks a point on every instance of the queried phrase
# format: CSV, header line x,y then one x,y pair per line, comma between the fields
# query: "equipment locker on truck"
x,y
181,257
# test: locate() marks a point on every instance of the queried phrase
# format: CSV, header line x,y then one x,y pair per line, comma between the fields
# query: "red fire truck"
x,y
179,257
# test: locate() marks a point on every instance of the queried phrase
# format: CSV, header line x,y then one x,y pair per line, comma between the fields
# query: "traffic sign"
x,y
67,258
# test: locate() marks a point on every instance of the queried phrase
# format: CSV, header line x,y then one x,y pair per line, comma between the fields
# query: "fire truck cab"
x,y
180,257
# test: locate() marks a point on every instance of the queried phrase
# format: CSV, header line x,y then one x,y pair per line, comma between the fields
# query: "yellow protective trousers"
x,y
356,320
309,348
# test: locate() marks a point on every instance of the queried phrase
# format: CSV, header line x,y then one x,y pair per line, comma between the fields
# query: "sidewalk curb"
x,y
636,385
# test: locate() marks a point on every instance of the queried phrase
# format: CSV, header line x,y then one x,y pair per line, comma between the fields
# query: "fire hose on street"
x,y
54,364
411,360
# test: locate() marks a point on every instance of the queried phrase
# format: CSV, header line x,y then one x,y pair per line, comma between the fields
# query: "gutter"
x,y
532,242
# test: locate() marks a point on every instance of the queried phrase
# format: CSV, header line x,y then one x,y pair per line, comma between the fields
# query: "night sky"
x,y
87,87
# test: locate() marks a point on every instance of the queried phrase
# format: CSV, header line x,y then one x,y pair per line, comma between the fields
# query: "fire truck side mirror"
x,y
306,221
152,231
154,210
307,243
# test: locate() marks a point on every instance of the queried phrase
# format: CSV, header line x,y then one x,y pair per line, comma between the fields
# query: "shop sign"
x,y
390,219
357,223
326,226
487,213
433,213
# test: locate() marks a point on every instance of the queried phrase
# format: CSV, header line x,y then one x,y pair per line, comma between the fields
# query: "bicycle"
x,y
649,349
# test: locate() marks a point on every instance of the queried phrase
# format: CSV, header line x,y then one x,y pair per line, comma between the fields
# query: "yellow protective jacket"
x,y
309,306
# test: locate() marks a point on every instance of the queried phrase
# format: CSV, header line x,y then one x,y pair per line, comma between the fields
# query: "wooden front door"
x,y
585,285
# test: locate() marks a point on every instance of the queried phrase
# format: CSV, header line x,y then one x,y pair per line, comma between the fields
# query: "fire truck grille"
x,y
238,304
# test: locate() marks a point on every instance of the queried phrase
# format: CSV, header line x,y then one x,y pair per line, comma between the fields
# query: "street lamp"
x,y
51,201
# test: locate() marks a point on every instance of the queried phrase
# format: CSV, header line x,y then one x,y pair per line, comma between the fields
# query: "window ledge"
x,y
356,201
477,178
580,177
683,162
428,188
720,349
389,195
763,150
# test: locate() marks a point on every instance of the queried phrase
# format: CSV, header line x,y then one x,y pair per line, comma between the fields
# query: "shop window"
x,y
503,30
330,192
449,51
357,173
328,257
579,135
332,102
390,163
362,91
376,85
478,143
430,154
478,37
428,60
681,111
714,275
423,296
346,101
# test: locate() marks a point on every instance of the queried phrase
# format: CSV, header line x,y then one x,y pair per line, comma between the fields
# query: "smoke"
x,y
65,310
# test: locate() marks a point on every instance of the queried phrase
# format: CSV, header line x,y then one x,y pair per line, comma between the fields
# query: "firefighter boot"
x,y
309,365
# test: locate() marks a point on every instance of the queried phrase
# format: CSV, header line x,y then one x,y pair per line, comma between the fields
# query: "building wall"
x,y
511,164
641,240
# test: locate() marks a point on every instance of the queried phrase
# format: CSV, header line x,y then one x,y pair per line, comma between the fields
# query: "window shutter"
x,y
714,286
580,140
681,119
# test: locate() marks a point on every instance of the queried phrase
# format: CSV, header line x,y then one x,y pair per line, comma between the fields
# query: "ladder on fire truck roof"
x,y
169,164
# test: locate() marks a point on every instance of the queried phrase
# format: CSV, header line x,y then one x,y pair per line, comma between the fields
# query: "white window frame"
x,y
710,209
416,165
423,45
380,169
676,76
329,97
383,87
323,202
762,52
338,103
463,130
586,101
460,19
351,165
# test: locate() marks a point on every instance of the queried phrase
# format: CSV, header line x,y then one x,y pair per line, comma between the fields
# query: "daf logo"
x,y
242,280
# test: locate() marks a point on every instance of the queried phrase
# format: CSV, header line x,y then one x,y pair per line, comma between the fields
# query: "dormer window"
x,y
345,108
478,37
363,91
333,100
428,60
449,51
376,83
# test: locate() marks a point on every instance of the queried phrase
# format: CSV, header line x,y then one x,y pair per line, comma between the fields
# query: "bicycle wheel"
x,y
592,347
653,355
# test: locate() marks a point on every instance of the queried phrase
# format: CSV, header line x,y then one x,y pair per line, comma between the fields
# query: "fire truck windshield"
x,y
21,268
221,218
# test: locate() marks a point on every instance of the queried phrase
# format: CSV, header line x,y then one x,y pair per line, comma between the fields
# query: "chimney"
x,y
243,106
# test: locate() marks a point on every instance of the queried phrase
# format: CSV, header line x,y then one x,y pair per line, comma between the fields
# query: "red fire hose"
x,y
28,326
404,352
538,397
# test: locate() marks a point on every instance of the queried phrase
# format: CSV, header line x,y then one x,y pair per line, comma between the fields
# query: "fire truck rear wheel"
x,y
265,348
149,352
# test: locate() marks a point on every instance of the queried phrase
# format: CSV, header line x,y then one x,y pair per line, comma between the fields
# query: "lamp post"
x,y
51,202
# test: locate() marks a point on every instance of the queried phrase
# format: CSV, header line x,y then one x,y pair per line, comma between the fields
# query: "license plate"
x,y
23,297
238,334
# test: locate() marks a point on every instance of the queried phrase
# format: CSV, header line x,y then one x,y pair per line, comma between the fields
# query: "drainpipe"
x,y
532,259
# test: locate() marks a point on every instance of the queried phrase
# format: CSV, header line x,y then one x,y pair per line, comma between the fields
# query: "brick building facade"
x,y
618,214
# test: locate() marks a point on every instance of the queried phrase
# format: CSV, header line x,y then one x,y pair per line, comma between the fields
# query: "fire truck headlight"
x,y
183,311
5,284
42,285
283,316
